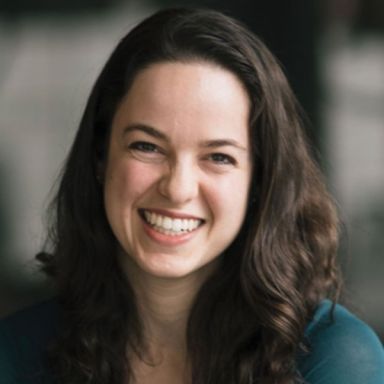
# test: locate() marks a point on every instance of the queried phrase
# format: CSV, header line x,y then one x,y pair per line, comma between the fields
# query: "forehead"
x,y
186,96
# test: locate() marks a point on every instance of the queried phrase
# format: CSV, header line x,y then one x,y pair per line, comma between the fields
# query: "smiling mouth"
x,y
167,225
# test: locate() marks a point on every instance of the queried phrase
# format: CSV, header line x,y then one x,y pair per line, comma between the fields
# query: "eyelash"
x,y
144,146
150,148
223,159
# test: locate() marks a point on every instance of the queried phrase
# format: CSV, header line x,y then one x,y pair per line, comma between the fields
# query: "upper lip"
x,y
173,214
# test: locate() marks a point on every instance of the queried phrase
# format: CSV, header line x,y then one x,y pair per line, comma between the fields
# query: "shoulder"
x,y
33,324
342,349
24,337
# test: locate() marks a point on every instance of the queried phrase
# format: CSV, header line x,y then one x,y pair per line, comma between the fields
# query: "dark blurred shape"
x,y
18,7
14,292
370,18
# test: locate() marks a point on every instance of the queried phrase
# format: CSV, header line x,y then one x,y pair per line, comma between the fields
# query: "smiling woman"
x,y
193,240
181,170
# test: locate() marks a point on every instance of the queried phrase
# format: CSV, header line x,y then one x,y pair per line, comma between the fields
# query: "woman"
x,y
194,240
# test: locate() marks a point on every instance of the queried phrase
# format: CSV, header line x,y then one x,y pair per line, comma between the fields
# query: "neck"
x,y
164,305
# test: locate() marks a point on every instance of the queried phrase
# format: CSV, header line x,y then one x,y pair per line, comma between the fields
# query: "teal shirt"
x,y
343,351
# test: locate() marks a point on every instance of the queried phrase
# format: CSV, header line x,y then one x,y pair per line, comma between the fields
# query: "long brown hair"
x,y
248,320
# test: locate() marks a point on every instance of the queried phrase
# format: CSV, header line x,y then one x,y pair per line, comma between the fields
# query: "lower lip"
x,y
168,240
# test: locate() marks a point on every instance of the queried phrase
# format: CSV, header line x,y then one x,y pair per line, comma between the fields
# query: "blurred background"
x,y
332,52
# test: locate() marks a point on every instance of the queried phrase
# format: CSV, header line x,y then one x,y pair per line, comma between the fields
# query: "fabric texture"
x,y
24,338
342,350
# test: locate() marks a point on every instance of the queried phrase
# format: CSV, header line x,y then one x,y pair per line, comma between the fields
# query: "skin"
x,y
179,147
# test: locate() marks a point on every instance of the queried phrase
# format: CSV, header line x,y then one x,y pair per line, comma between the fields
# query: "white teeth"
x,y
150,217
167,223
158,221
170,226
176,225
191,225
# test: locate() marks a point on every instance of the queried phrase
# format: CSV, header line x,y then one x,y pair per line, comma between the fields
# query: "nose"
x,y
179,184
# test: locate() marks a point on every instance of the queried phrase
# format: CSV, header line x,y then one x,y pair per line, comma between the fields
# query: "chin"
x,y
174,271
169,270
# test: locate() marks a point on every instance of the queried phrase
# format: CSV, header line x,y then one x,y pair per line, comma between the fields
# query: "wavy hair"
x,y
248,320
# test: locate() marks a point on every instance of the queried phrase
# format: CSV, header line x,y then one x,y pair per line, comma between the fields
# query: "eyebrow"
x,y
222,143
146,129
215,143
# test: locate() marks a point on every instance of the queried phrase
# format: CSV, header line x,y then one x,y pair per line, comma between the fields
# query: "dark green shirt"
x,y
343,351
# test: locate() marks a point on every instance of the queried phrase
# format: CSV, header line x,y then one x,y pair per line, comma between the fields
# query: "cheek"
x,y
228,199
126,181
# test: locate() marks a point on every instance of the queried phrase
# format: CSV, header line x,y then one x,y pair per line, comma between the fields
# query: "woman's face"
x,y
179,167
